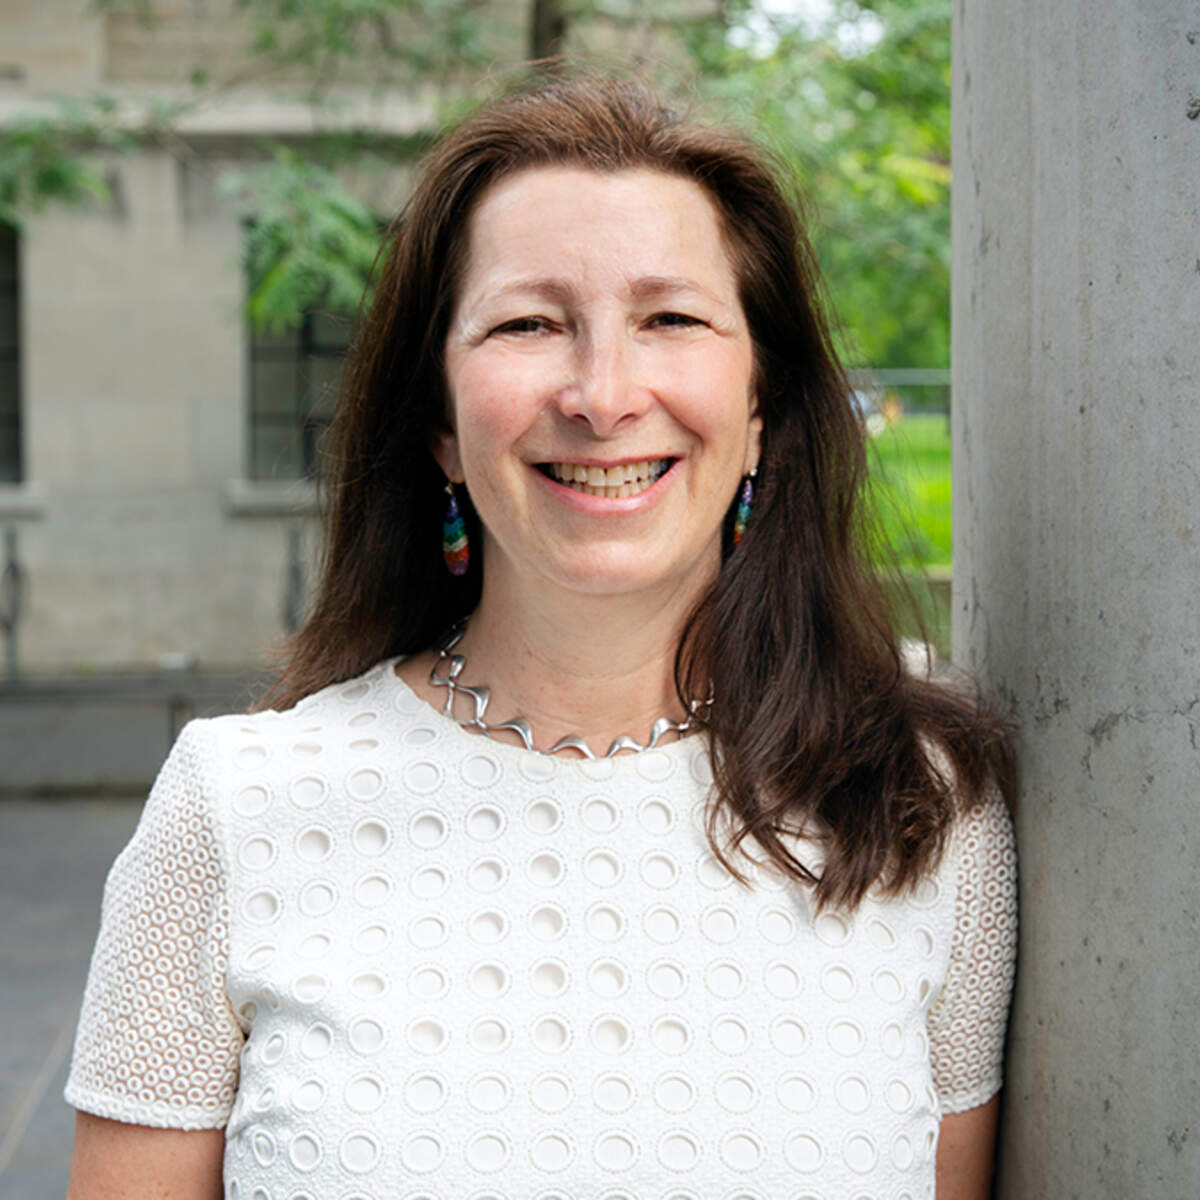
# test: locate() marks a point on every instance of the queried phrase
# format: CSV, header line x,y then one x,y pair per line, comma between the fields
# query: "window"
x,y
294,381
10,360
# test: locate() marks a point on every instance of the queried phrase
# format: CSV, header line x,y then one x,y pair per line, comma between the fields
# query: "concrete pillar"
x,y
1077,561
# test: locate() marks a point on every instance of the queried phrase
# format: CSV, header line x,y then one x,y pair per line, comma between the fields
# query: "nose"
x,y
603,392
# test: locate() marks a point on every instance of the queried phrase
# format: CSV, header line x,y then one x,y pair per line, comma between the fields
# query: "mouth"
x,y
609,483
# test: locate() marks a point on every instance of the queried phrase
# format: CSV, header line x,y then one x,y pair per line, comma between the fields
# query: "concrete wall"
x,y
1077,561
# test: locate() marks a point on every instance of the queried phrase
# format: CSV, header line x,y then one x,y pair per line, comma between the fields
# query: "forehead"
x,y
583,222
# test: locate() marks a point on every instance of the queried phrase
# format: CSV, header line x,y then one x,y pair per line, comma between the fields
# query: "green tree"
x,y
858,105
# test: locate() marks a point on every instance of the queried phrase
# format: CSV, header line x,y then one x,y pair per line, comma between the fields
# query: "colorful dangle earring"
x,y
745,503
455,550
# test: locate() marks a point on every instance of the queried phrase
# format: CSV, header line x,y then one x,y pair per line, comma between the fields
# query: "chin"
x,y
621,574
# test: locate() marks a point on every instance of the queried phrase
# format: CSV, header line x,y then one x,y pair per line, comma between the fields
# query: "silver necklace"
x,y
449,667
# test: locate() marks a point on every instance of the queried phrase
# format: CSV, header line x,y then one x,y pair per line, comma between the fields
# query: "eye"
x,y
524,325
674,320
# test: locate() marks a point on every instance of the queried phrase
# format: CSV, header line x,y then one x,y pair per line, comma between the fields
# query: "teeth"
x,y
612,483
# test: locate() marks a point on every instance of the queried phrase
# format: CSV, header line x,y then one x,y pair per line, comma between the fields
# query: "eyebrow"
x,y
646,286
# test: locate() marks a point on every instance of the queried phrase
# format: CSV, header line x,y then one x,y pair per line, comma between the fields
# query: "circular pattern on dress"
x,y
550,1093
430,930
489,1092
371,891
611,1034
853,1093
318,897
305,1151
313,844
429,882
422,1151
788,1036
671,1034
604,922
802,1151
549,977
742,1150
257,853
359,1152
659,870
371,837
428,982
846,1037
662,924
252,801
667,979
730,1034
489,979
656,816
719,924
548,922
552,1150
366,783
736,1092
678,1150
485,822
599,814
309,1095
777,925
263,906
427,829
602,868
487,874
725,978
859,1152
315,946
422,777
615,1149
426,1035
424,1092
364,1094
367,1036
545,868
782,980
613,1092
317,1041
551,1034
712,873
543,816
481,770
838,982
674,1092
489,1035
486,1151
607,977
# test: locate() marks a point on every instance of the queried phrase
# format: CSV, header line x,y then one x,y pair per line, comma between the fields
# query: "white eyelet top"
x,y
398,961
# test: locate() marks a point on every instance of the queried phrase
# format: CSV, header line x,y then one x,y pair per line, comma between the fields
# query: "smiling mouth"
x,y
610,483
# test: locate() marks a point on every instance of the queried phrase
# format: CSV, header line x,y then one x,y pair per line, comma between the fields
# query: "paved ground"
x,y
54,855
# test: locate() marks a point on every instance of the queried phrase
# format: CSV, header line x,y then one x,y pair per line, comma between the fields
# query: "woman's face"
x,y
599,369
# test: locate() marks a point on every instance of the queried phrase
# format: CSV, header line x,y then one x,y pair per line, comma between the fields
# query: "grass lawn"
x,y
910,469
910,466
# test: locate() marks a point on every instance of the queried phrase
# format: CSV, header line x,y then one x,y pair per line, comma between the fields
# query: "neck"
x,y
598,666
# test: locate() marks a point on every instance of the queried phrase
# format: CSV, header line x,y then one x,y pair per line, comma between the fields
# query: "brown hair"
x,y
815,720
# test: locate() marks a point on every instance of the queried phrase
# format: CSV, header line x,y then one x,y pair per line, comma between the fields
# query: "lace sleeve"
x,y
967,1022
157,1043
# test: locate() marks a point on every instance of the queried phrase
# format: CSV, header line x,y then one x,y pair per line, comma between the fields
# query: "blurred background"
x,y
192,194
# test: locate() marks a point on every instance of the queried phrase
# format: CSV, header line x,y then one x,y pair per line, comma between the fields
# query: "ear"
x,y
753,441
444,448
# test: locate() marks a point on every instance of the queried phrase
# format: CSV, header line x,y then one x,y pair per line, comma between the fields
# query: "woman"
x,y
387,940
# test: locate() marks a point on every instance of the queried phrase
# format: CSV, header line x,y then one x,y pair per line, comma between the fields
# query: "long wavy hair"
x,y
816,723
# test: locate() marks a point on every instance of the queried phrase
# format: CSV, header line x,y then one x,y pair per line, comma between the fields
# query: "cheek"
x,y
491,409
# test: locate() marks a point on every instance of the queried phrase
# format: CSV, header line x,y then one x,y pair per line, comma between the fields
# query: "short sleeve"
x,y
967,1021
157,1042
